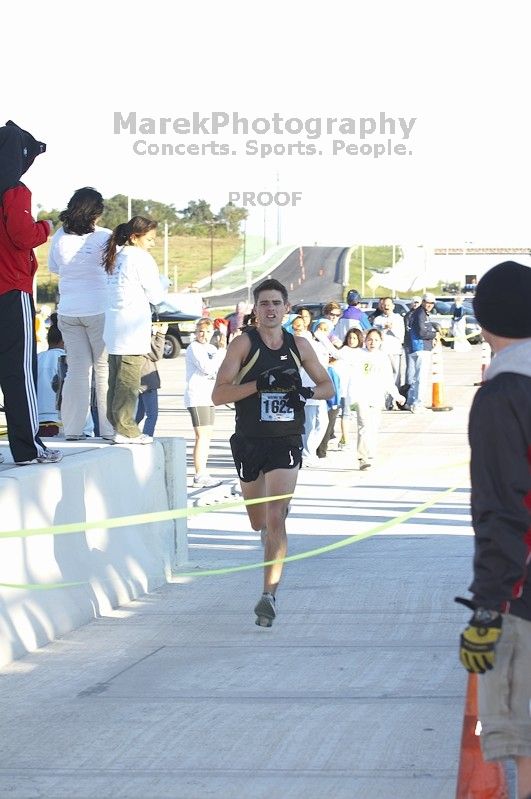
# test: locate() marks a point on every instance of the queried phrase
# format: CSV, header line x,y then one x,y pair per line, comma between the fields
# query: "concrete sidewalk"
x,y
355,692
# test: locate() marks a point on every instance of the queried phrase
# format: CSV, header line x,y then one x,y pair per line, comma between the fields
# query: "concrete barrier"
x,y
107,566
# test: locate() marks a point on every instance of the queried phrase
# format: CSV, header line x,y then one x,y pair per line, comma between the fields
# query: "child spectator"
x,y
49,381
376,379
348,365
148,398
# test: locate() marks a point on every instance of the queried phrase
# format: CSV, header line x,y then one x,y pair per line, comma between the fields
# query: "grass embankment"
x,y
188,261
375,258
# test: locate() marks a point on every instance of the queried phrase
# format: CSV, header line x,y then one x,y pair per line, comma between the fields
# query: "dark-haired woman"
x,y
76,256
133,282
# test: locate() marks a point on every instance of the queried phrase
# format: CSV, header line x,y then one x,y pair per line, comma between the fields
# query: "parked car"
x,y
181,327
467,303
442,316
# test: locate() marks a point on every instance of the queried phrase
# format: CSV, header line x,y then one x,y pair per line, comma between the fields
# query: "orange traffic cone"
x,y
438,400
476,778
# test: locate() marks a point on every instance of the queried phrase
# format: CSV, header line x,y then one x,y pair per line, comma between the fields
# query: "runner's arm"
x,y
225,390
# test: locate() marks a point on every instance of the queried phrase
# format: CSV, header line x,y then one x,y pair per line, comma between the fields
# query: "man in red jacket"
x,y
19,233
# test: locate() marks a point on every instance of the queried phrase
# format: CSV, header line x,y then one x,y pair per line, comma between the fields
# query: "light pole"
x,y
211,255
247,270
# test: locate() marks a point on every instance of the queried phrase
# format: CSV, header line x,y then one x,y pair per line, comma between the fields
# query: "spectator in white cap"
x,y
422,336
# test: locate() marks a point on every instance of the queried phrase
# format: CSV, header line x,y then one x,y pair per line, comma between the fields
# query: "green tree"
x,y
115,211
53,214
197,213
232,216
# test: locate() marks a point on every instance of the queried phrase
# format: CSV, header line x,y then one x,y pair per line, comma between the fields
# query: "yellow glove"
x,y
477,646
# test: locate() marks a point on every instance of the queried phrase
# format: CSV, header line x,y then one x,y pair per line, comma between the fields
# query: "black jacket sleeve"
x,y
500,440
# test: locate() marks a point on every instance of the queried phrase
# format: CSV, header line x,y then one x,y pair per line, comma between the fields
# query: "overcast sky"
x,y
455,73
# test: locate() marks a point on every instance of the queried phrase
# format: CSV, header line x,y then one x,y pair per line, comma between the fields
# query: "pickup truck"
x,y
181,327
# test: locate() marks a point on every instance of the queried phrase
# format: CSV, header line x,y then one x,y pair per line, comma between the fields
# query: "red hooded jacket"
x,y
19,233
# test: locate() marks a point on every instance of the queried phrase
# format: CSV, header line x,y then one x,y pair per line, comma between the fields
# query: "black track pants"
x,y
18,374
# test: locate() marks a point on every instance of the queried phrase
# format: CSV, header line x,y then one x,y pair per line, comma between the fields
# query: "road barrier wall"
x,y
51,584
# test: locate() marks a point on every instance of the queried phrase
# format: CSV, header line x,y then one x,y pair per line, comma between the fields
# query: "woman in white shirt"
x,y
76,256
348,365
202,363
133,283
376,379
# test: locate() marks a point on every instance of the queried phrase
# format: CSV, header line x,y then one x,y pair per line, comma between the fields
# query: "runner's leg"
x,y
255,490
277,482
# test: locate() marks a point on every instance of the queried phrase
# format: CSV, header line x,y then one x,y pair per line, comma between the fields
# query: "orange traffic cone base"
x,y
476,778
438,400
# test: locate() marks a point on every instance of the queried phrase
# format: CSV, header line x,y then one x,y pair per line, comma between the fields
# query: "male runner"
x,y
260,374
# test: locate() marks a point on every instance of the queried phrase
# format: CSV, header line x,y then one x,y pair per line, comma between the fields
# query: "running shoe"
x,y
141,439
48,456
205,481
364,465
265,610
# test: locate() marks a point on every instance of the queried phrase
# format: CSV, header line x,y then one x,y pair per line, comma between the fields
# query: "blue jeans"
x,y
419,368
148,406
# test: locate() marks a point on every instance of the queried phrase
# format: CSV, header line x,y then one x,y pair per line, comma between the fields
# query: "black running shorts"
x,y
255,455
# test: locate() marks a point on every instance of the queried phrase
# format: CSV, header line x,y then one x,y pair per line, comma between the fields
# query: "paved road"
x,y
321,278
355,693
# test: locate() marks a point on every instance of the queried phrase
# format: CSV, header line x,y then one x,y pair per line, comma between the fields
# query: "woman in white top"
x,y
202,363
375,381
133,283
348,365
76,256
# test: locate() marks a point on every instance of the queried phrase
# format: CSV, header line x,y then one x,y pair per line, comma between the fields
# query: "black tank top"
x,y
264,414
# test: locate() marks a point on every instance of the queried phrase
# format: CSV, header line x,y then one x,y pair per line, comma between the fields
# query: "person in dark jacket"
x,y
497,642
422,337
19,234
148,398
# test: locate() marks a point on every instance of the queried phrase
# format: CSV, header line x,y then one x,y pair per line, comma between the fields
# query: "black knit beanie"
x,y
502,304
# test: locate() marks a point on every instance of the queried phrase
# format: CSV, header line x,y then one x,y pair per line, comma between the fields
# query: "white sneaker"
x,y
205,481
141,439
48,456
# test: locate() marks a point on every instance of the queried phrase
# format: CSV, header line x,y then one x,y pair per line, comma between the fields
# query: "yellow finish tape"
x,y
345,542
180,512
141,518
